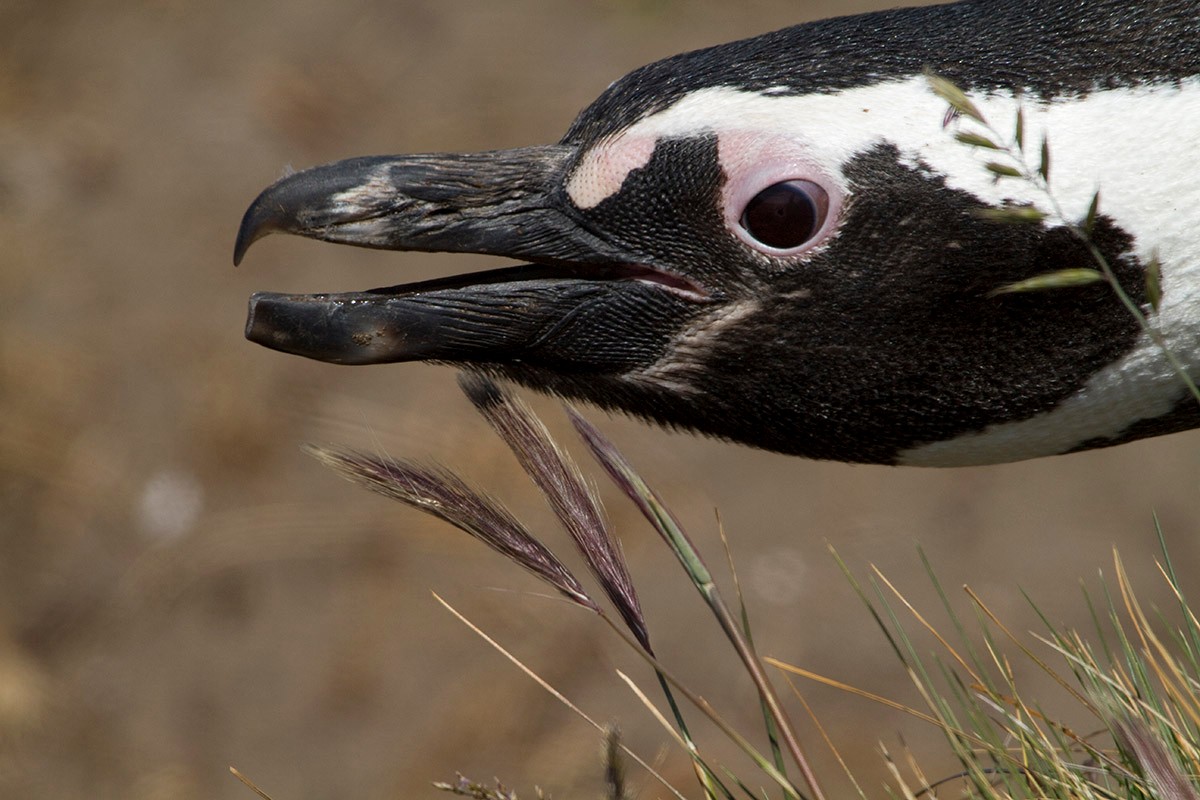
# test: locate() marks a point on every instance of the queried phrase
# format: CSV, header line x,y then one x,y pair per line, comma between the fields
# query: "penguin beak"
x,y
507,203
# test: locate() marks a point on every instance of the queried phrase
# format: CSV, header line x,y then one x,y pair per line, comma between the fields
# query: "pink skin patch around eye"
x,y
751,160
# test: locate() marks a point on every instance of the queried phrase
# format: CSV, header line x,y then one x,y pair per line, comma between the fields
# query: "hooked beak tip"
x,y
260,219
239,250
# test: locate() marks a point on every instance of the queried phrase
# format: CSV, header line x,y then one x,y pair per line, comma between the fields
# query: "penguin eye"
x,y
786,215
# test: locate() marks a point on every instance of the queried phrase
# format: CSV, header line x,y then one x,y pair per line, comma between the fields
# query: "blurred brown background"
x,y
181,589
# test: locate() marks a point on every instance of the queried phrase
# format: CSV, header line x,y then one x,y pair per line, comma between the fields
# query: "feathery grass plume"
x,y
1142,689
443,494
1158,766
465,787
614,766
572,500
668,527
578,510
646,499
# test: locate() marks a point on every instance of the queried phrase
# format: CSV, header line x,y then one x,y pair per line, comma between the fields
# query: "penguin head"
x,y
775,241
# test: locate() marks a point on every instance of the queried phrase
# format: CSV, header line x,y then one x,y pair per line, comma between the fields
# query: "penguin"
x,y
797,242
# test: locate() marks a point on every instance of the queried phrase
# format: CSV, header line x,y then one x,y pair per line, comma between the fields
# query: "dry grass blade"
x,y
443,494
1041,663
570,497
854,690
653,709
1165,667
897,777
249,783
557,695
837,754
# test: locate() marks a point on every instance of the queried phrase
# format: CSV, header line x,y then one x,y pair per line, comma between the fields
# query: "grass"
x,y
1134,677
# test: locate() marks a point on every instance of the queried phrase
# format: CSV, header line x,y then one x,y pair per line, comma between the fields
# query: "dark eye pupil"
x,y
786,215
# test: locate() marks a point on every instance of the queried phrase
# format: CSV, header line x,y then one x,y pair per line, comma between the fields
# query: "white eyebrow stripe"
x,y
1134,144
1112,139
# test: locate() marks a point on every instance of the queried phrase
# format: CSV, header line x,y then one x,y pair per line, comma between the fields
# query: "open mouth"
x,y
504,203
482,316
531,272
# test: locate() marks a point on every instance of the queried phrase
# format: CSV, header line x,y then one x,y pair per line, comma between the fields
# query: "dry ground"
x,y
182,589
